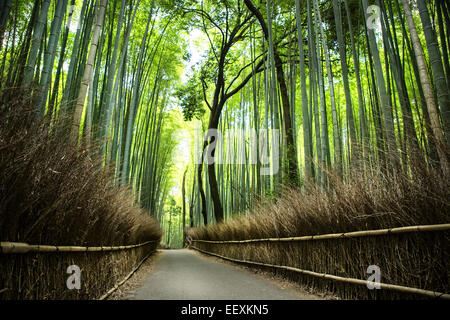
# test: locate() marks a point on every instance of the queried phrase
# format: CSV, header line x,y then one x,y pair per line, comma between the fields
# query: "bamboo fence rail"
x,y
428,293
107,294
354,234
21,248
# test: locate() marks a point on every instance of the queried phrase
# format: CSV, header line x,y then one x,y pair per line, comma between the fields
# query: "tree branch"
x,y
258,69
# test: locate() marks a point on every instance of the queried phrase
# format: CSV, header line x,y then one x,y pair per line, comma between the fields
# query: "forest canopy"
x,y
330,88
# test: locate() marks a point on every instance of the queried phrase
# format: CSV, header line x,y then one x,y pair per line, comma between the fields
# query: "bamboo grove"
x,y
110,66
351,85
330,87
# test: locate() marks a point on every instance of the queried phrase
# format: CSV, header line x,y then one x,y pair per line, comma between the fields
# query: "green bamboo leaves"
x,y
348,85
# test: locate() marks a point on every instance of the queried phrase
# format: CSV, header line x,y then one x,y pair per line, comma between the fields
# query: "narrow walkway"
x,y
183,275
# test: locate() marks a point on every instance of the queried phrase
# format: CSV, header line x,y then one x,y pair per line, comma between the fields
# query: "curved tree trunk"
x,y
202,192
292,169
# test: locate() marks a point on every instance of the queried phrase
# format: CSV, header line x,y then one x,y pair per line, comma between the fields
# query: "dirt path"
x,y
184,275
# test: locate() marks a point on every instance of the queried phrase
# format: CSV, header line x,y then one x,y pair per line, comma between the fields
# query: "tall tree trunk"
x,y
444,42
442,88
257,166
325,144
384,98
336,133
16,77
273,97
429,132
428,92
307,136
343,57
361,107
35,44
4,15
87,75
399,77
292,168
55,89
191,204
313,80
134,102
49,58
200,186
183,195
115,107
106,101
68,88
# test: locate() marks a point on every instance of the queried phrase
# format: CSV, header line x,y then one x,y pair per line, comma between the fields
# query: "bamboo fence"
x,y
345,235
354,234
100,271
20,247
428,293
107,294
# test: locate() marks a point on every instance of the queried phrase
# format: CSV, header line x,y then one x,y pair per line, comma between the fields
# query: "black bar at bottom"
x,y
219,309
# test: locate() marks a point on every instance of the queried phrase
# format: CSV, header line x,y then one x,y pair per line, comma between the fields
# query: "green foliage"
x,y
190,96
146,86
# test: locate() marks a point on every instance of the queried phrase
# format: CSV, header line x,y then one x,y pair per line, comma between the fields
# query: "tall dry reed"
x,y
369,199
54,192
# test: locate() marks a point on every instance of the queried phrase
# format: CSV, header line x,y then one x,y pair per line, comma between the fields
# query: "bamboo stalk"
x,y
394,287
19,247
354,234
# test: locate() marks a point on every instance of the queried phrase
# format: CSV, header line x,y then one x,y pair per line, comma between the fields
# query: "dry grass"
x,y
128,290
54,193
369,200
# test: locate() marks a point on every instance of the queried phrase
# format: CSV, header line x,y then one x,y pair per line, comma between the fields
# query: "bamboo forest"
x,y
310,136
